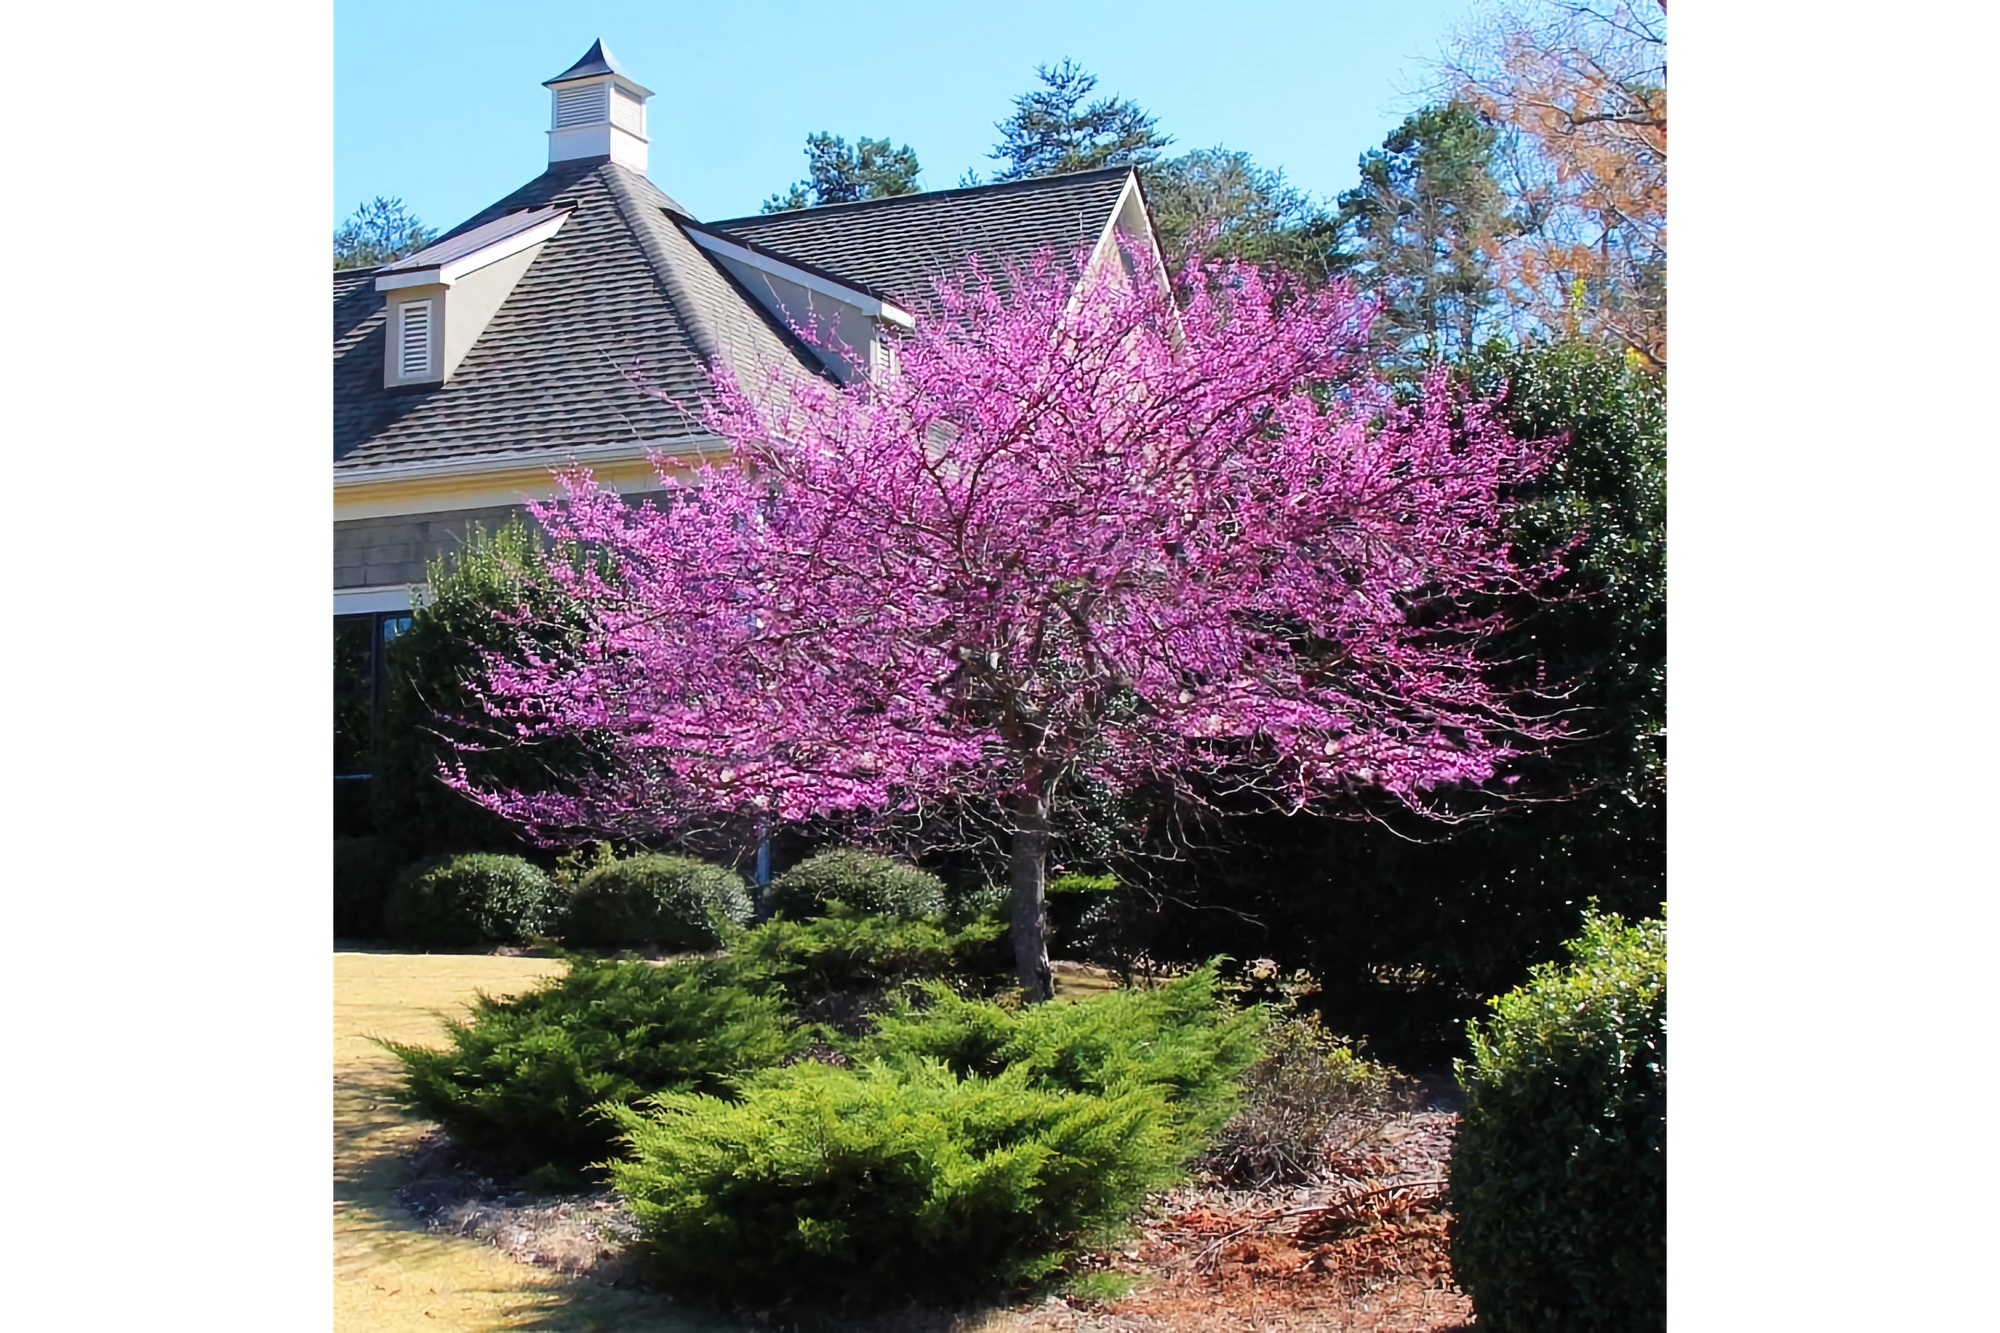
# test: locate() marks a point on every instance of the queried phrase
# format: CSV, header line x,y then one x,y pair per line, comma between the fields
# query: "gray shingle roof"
x,y
902,245
464,242
622,292
619,289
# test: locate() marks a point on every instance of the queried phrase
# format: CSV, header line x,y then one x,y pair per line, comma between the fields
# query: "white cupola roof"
x,y
596,109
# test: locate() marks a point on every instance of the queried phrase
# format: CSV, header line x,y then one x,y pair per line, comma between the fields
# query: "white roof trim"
x,y
625,81
1107,240
447,274
812,282
1135,198
456,467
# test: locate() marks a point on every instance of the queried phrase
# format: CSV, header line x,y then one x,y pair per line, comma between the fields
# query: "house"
x,y
518,340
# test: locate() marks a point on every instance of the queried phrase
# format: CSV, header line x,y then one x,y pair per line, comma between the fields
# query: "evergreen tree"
x,y
377,232
1406,928
839,174
486,595
1054,129
1420,232
1217,203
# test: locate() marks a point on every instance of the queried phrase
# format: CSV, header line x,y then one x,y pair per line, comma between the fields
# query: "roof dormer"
x,y
440,299
596,109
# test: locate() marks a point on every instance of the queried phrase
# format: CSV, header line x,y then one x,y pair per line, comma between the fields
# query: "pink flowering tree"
x,y
1076,535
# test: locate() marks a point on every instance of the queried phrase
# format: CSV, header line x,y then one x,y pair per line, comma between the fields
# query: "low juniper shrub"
x,y
520,1080
966,1152
1181,1037
871,1186
839,967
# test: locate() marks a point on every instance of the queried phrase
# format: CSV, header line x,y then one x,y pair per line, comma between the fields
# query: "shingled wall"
x,y
395,551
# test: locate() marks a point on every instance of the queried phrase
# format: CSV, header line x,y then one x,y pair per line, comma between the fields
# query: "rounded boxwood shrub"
x,y
862,880
1559,1172
480,898
364,870
659,901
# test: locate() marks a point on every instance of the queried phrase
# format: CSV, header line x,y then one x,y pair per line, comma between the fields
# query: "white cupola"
x,y
596,109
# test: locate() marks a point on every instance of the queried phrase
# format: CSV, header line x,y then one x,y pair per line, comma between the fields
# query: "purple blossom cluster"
x,y
1095,531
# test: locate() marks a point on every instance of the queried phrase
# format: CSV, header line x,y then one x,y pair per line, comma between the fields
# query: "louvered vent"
x,y
413,344
628,110
581,106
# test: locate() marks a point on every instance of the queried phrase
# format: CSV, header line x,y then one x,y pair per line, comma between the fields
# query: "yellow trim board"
x,y
390,496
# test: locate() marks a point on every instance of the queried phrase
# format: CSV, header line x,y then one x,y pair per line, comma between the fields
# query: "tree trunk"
x,y
1027,858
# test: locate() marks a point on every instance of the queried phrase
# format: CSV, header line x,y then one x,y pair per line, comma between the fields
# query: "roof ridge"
x,y
701,330
962,191
651,224
560,177
805,265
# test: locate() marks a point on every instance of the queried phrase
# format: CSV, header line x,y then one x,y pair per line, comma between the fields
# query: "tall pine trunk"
x,y
1027,861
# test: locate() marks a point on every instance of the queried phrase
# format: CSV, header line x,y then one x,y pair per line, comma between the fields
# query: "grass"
x,y
1100,1285
391,1274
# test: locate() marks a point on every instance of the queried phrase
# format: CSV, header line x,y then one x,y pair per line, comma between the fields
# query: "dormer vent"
x,y
440,298
413,340
598,110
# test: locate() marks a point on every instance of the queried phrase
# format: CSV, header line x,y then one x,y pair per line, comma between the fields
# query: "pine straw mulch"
x,y
1360,1246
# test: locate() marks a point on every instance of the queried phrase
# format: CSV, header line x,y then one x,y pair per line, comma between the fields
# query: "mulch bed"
x,y
577,1235
1362,1247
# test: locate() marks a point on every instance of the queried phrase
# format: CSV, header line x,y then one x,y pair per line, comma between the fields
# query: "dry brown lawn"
x,y
391,1274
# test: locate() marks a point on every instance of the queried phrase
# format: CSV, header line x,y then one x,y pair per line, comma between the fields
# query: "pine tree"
x,y
1219,204
1053,129
1421,232
377,232
838,174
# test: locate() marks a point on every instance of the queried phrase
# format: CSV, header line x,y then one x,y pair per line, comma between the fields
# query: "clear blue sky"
x,y
442,104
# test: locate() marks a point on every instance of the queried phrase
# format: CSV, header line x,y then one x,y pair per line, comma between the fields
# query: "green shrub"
x,y
968,1151
481,898
1559,1171
871,1187
485,595
521,1077
364,871
862,880
667,902
1305,1077
866,958
973,899
1180,1037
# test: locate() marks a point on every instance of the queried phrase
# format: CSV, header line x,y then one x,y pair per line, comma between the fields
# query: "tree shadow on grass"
x,y
391,1268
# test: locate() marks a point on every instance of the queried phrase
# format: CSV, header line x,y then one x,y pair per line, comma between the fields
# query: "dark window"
x,y
360,678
